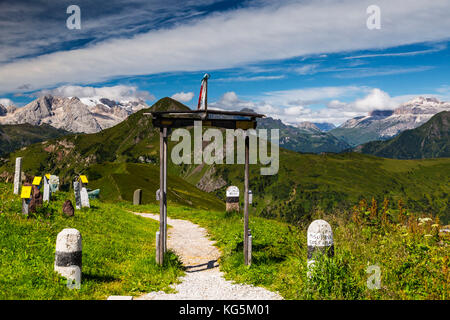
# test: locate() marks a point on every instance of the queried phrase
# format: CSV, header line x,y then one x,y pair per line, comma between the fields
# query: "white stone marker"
x,y
68,255
18,175
232,198
76,190
320,239
84,198
47,192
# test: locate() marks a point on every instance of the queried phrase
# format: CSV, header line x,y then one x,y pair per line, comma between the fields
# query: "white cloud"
x,y
116,93
435,48
235,38
376,99
306,69
6,102
183,96
279,104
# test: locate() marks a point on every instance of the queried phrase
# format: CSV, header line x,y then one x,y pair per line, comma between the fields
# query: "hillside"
x,y
430,140
16,136
307,182
304,182
306,138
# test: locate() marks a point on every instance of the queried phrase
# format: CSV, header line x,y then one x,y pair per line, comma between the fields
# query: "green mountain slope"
x,y
355,136
430,140
330,182
125,157
297,139
16,136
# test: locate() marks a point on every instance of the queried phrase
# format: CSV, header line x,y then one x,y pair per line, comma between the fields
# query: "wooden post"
x,y
165,133
246,260
18,176
161,196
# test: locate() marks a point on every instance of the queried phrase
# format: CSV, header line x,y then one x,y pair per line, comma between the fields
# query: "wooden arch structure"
x,y
167,120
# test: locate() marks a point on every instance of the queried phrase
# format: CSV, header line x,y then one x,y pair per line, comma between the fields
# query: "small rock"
x,y
68,209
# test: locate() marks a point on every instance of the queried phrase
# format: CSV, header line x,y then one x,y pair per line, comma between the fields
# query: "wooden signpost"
x,y
37,182
18,175
76,190
47,191
84,197
26,198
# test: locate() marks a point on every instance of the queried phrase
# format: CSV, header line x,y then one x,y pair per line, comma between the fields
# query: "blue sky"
x,y
294,60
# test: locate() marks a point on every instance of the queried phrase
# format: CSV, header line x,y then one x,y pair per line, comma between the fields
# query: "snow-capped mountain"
x,y
86,115
384,124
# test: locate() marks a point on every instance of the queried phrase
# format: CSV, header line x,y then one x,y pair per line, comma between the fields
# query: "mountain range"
x,y
125,157
87,115
430,140
385,124
94,114
306,137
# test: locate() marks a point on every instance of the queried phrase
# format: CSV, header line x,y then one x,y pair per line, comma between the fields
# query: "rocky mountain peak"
x,y
309,126
73,114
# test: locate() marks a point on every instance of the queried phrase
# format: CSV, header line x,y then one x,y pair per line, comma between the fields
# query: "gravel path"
x,y
203,279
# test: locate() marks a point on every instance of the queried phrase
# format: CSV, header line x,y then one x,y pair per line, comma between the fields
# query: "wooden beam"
x,y
161,197
246,259
165,133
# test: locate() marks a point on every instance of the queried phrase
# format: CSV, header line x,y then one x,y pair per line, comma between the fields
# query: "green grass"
x,y
413,265
118,251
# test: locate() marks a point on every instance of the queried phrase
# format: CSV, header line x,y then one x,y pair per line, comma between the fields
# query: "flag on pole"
x,y
203,96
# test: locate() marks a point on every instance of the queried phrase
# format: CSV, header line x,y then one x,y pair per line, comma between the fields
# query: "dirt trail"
x,y
203,279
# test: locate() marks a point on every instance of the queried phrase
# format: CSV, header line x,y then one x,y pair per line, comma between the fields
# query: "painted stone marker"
x,y
18,175
232,200
76,190
84,198
54,183
68,255
250,197
319,240
137,197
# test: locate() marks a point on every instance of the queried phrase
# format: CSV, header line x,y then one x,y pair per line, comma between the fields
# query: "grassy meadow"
x,y
119,253
413,257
